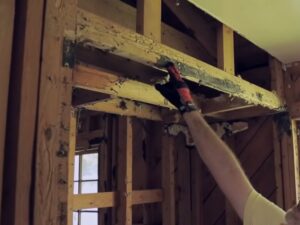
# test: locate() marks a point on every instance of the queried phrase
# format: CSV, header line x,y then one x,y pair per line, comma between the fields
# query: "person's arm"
x,y
220,160
214,152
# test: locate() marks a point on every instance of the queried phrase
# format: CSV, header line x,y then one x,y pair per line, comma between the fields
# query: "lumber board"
x,y
109,199
22,108
51,185
125,107
125,170
295,158
222,107
168,180
225,49
103,34
148,21
108,83
7,12
125,15
71,160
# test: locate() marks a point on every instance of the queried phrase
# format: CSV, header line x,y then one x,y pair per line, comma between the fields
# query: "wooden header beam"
x,y
107,83
103,34
129,91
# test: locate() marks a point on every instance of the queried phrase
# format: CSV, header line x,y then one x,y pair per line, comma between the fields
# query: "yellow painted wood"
x,y
126,107
125,15
108,83
225,49
103,34
149,18
133,94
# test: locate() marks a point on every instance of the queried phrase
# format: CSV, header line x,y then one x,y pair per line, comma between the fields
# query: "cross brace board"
x,y
105,35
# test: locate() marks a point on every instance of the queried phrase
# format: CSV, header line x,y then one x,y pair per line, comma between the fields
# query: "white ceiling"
x,y
273,25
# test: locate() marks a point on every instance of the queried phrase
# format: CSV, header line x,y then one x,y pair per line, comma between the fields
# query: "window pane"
x,y
90,166
89,187
76,167
75,218
89,218
76,186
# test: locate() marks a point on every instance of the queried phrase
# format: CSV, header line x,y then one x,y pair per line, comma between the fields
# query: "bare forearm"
x,y
220,160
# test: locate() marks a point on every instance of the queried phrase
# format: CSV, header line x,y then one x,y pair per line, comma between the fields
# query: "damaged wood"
x,y
105,82
126,107
105,35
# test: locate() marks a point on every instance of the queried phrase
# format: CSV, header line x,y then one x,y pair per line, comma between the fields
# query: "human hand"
x,y
176,90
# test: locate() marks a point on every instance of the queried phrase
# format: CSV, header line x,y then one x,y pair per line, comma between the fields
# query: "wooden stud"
x,y
295,157
51,187
106,35
225,47
7,12
277,77
71,159
149,18
125,171
22,107
197,189
168,180
278,167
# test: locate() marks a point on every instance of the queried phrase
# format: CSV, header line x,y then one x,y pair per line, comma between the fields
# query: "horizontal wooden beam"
x,y
103,34
108,83
109,199
147,196
125,107
132,100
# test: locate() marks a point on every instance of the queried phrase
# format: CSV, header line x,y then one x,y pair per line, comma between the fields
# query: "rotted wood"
x,y
103,34
222,107
108,83
126,15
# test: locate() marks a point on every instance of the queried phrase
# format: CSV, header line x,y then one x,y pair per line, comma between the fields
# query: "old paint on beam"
x,y
103,34
125,107
108,83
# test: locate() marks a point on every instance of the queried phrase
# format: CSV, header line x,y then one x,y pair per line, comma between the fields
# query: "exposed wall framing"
x,y
148,176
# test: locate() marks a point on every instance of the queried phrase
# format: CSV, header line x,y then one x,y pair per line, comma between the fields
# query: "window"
x,y
86,180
